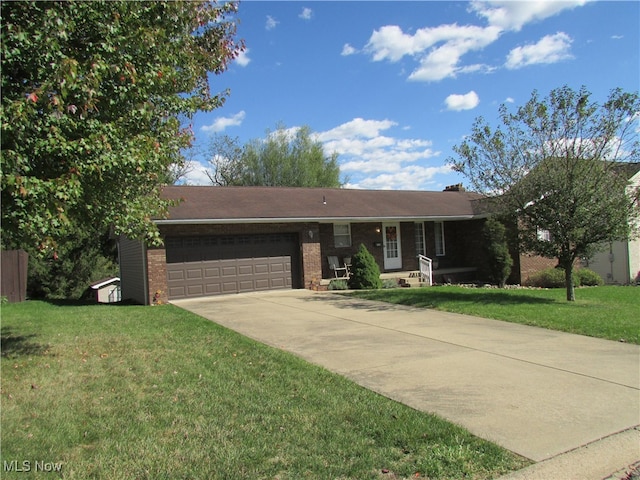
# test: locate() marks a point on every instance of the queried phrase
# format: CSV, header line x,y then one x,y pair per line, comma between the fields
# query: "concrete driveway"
x,y
536,392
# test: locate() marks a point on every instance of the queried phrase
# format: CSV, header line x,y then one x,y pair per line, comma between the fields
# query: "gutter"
x,y
232,221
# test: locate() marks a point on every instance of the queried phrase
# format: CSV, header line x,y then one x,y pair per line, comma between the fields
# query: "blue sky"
x,y
392,86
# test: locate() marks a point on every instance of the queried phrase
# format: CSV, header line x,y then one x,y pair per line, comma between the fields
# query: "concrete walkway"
x,y
536,392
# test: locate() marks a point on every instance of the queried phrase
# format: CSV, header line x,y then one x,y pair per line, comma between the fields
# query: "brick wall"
x,y
157,275
531,264
361,233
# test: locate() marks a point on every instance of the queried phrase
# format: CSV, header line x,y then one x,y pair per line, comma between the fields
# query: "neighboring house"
x,y
619,263
235,239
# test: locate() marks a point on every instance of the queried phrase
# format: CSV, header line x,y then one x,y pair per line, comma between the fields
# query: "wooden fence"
x,y
13,271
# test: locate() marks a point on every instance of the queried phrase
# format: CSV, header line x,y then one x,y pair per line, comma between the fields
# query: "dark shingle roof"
x,y
201,204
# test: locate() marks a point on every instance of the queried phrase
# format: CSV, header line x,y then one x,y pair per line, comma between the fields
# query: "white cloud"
x,y
413,177
348,50
221,123
550,49
356,128
509,100
468,101
364,149
439,48
306,14
195,174
243,58
271,23
513,15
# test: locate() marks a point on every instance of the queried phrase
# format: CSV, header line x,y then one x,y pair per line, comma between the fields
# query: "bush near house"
x,y
365,273
554,278
497,251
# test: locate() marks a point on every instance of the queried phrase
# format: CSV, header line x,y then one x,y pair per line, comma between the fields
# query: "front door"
x,y
391,246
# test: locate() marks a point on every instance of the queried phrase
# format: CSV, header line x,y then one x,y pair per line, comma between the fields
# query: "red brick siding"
x,y
157,275
361,233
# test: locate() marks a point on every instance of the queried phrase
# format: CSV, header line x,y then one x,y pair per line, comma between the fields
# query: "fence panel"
x,y
13,270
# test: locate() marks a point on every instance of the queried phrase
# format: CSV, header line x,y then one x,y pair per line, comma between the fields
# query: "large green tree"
x,y
96,102
286,157
558,165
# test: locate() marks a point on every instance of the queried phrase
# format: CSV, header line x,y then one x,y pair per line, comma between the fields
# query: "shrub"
x,y
549,278
365,273
554,278
338,284
588,278
497,251
390,283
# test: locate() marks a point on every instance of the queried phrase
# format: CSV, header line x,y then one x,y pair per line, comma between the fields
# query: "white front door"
x,y
391,246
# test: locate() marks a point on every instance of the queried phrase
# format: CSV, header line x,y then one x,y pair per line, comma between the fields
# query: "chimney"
x,y
455,188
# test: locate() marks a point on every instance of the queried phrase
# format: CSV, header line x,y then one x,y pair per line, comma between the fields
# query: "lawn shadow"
x,y
432,297
358,301
88,303
13,344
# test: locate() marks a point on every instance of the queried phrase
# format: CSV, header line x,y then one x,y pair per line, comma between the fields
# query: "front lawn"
x,y
605,312
156,392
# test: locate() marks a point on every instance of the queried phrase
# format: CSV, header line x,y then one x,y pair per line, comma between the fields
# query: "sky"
x,y
391,87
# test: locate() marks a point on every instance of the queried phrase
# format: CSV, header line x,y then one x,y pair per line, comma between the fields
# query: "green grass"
x,y
156,392
605,312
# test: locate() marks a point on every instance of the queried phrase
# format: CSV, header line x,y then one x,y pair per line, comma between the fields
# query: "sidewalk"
x,y
553,397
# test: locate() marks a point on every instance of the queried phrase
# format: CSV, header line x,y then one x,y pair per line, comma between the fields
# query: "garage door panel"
x,y
230,264
211,272
230,287
245,269
229,271
212,289
175,275
177,292
194,273
195,290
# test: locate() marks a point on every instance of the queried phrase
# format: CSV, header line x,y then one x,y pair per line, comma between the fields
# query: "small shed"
x,y
107,290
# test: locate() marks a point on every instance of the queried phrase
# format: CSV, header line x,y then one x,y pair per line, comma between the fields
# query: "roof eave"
x,y
228,221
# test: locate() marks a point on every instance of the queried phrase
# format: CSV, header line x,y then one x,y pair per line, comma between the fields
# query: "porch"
x,y
413,278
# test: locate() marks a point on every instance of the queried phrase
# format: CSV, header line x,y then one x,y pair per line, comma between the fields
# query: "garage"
x,y
214,265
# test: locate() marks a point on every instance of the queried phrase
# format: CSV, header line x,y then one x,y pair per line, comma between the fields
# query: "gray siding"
x,y
133,270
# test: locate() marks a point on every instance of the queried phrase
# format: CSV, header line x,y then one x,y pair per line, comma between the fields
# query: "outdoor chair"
x,y
347,265
338,271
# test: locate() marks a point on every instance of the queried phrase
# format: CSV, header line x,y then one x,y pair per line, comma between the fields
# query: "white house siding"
x,y
620,263
133,270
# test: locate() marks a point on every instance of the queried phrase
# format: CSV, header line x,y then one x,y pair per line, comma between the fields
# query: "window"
x,y
543,235
439,234
342,235
419,234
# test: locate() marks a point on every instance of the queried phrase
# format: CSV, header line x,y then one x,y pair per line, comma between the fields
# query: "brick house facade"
x,y
228,239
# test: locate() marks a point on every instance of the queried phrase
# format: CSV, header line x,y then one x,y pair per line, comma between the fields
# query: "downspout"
x,y
145,276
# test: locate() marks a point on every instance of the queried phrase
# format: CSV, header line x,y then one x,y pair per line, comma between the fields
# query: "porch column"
x,y
157,276
311,256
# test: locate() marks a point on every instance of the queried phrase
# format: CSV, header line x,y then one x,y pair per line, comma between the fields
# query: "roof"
x,y
104,282
211,204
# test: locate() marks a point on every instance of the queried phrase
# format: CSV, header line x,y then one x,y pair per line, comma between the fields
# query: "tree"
x,y
556,164
283,158
95,99
80,259
365,273
497,251
225,159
